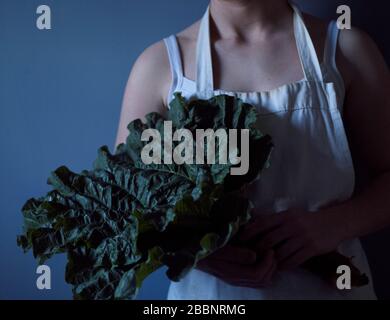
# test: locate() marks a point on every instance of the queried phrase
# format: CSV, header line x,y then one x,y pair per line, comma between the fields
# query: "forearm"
x,y
366,212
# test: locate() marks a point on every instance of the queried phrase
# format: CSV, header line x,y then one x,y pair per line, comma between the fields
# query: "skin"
x,y
255,39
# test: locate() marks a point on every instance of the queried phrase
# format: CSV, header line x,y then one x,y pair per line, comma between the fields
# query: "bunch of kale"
x,y
123,219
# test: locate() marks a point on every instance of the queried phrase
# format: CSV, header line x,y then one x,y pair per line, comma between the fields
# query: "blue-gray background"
x,y
60,98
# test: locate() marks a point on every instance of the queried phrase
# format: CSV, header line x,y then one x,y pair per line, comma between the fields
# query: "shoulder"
x,y
150,73
153,67
356,55
354,41
359,56
155,57
357,46
152,62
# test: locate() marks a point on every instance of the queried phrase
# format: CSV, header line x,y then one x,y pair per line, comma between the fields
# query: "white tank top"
x,y
311,164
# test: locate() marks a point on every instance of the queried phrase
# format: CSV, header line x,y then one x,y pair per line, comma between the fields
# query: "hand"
x,y
239,266
295,235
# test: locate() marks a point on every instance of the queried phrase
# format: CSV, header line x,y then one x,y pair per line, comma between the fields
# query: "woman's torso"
x,y
300,105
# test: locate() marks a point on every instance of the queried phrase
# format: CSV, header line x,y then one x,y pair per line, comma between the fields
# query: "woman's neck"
x,y
246,19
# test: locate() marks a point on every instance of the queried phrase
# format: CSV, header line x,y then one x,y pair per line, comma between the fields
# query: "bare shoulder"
x,y
154,55
152,68
360,52
355,41
357,54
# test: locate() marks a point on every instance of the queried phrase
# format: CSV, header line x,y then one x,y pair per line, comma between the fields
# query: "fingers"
x,y
296,259
268,277
265,269
288,248
235,254
259,225
274,238
263,273
264,265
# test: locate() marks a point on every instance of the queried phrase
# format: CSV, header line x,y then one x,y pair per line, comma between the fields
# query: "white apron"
x,y
311,164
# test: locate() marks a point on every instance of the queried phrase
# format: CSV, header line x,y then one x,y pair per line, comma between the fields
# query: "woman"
x,y
311,86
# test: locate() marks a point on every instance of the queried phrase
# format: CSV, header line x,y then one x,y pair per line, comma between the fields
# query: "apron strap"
x,y
331,44
306,51
307,54
204,68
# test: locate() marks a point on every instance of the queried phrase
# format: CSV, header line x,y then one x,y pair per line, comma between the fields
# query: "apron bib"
x,y
310,167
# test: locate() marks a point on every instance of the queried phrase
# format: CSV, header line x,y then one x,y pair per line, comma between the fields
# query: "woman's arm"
x,y
298,236
146,89
367,119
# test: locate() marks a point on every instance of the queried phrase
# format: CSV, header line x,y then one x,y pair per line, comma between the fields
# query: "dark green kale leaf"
x,y
123,219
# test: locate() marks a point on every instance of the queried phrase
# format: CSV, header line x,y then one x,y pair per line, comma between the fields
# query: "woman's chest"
x,y
248,67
